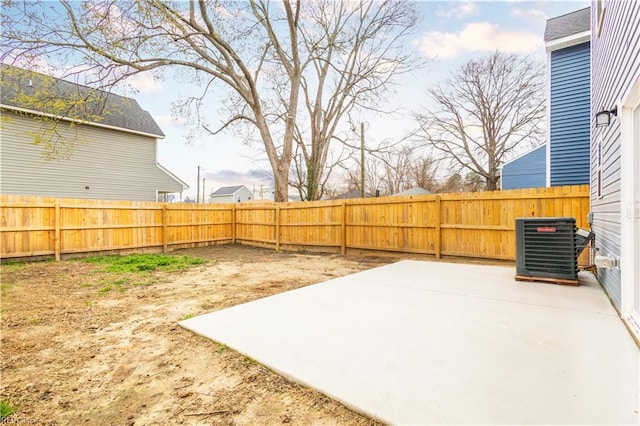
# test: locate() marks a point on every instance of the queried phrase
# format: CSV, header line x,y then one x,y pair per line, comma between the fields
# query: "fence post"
x,y
277,227
438,223
164,228
57,221
233,223
343,227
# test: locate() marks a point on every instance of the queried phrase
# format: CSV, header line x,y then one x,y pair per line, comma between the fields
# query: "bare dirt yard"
x,y
83,346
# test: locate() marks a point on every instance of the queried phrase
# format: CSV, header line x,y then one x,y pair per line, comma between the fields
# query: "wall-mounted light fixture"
x,y
603,118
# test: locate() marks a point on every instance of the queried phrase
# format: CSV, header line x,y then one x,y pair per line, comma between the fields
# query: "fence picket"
x,y
469,224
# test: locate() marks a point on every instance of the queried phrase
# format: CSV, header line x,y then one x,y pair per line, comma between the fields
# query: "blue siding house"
x,y
526,171
567,41
615,147
569,115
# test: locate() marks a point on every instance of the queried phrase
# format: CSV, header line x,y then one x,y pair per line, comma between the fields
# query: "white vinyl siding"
x,y
615,59
241,195
114,165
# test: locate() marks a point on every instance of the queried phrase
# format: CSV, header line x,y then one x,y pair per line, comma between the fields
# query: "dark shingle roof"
x,y
227,190
49,95
569,24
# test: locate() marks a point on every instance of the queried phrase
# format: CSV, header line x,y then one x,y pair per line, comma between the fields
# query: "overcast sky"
x,y
450,33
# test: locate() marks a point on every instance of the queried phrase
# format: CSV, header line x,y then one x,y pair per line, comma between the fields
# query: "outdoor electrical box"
x,y
547,249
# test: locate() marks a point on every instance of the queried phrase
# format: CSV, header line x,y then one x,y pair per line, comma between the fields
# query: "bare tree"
x,y
355,50
471,182
215,42
299,176
372,177
484,112
395,168
258,51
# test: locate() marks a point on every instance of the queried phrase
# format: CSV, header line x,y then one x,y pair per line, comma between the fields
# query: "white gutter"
x,y
568,41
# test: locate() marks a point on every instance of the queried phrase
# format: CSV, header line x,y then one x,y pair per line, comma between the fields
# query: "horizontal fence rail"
x,y
478,225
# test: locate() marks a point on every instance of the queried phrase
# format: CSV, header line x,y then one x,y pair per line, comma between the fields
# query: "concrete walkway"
x,y
436,343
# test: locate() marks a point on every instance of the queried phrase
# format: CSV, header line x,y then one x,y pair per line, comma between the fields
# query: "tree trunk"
x,y
281,182
492,183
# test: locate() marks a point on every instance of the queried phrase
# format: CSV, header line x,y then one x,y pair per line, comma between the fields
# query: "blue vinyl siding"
x,y
570,115
527,171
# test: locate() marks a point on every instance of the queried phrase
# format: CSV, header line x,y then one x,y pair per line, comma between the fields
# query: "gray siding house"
x,y
615,152
566,157
231,194
91,144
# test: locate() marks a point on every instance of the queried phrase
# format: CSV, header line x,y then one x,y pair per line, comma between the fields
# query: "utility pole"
x,y
203,190
198,193
362,159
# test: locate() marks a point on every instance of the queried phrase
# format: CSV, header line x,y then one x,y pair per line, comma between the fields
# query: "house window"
x,y
600,8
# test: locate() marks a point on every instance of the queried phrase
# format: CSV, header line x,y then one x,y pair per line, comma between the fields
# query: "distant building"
x,y
416,190
526,171
231,194
351,194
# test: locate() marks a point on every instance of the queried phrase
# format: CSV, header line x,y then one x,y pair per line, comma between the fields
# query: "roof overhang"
x,y
76,120
568,41
185,186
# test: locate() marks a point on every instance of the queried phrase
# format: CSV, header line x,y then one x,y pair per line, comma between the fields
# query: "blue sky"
x,y
450,32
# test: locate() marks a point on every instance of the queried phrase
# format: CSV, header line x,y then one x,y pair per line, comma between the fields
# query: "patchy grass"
x,y
187,316
144,262
120,273
8,268
6,409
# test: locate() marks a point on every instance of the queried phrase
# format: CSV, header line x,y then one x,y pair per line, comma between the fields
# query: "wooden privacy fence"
x,y
478,225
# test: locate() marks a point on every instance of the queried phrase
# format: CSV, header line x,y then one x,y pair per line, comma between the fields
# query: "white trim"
x,y
629,194
548,102
75,120
568,41
600,12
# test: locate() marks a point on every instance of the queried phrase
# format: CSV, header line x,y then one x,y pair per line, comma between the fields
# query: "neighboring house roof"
x,y
29,91
227,190
416,190
185,186
568,24
351,194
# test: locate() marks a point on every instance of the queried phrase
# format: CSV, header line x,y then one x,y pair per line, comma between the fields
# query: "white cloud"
x,y
34,63
531,15
462,9
168,120
477,37
145,82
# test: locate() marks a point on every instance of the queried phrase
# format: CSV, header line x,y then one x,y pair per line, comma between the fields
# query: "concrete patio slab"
x,y
420,342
